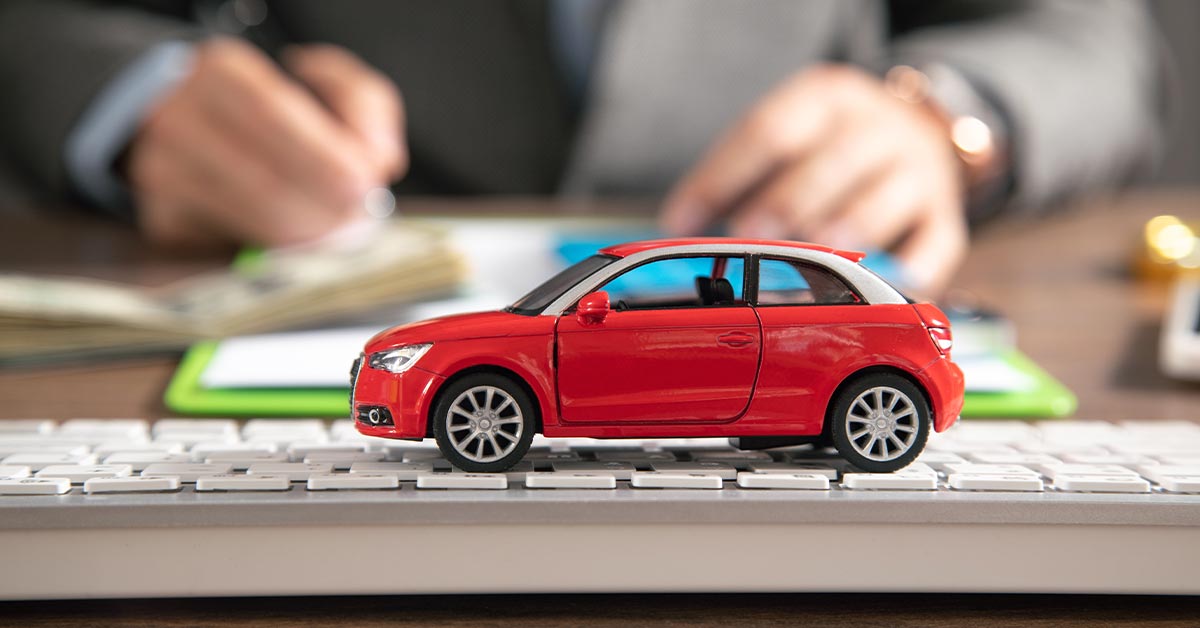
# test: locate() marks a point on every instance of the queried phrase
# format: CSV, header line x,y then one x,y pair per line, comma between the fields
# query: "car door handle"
x,y
736,339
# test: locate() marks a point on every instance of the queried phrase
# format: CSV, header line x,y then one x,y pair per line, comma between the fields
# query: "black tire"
x,y
480,431
878,433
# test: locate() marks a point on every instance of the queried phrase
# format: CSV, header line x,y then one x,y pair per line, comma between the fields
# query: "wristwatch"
x,y
976,129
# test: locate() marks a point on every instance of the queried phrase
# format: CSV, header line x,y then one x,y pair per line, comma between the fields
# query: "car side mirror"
x,y
593,308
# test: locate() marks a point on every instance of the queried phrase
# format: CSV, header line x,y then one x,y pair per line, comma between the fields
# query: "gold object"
x,y
1170,247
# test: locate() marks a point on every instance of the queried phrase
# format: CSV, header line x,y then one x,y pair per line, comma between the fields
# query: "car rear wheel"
x,y
880,422
484,423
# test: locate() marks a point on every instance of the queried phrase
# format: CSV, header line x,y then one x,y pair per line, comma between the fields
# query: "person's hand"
x,y
242,152
832,157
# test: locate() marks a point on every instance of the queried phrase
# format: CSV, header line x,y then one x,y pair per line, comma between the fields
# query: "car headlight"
x,y
399,359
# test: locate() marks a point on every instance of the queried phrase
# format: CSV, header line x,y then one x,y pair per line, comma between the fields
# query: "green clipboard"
x,y
185,394
1047,399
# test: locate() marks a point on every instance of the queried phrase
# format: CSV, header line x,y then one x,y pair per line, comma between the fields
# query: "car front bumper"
x,y
406,396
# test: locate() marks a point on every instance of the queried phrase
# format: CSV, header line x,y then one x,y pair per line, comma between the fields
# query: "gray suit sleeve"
x,y
55,56
1077,80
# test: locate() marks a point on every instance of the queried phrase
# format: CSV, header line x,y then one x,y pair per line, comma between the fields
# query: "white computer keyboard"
x,y
293,507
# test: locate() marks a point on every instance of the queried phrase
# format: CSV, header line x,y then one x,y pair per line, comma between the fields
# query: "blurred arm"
x,y
1077,82
56,57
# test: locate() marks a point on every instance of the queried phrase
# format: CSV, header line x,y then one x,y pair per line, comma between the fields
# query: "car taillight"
x,y
941,338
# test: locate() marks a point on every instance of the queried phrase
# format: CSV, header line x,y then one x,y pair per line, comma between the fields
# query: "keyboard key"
x,y
1058,449
484,481
286,429
1179,483
898,481
620,470
215,428
110,429
549,456
404,471
419,455
639,456
139,460
957,447
992,432
1054,471
939,459
1174,478
344,429
1175,459
1101,483
202,451
78,473
1022,458
657,479
26,426
693,445
242,460
104,450
295,471
1157,471
516,473
737,458
723,470
1159,429
777,480
27,444
134,484
592,445
35,486
14,471
991,482
352,481
794,468
343,461
1077,431
39,461
989,469
190,440
1156,448
396,450
559,479
298,451
1108,457
187,473
232,482
918,468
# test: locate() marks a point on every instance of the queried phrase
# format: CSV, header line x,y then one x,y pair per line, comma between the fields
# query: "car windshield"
x,y
533,303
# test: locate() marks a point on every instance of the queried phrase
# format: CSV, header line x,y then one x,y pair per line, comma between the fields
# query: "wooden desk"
x,y
1063,280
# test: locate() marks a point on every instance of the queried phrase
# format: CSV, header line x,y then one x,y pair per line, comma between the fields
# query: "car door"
x,y
812,323
671,350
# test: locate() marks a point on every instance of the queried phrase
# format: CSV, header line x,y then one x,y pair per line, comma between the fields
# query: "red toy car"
x,y
771,342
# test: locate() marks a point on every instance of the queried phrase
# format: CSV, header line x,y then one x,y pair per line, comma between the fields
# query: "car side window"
x,y
787,282
679,282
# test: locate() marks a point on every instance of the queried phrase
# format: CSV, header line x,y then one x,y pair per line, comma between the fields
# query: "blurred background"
x,y
1180,164
235,168
1181,160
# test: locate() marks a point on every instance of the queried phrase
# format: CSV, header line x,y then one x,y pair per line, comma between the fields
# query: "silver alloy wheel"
x,y
484,424
882,423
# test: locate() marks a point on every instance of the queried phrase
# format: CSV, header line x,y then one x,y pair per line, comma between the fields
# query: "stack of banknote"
x,y
400,261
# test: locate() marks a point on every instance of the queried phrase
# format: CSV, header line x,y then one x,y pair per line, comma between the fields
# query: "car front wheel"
x,y
880,422
484,423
